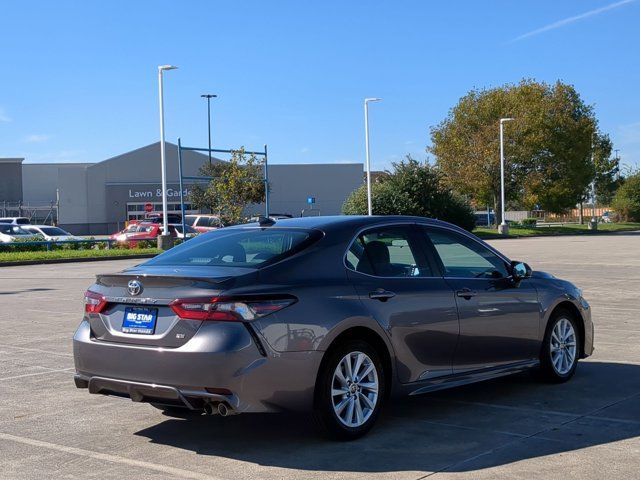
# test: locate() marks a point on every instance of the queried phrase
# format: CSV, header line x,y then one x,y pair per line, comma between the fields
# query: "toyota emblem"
x,y
134,287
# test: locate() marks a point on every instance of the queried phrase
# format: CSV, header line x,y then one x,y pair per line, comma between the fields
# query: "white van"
x,y
15,220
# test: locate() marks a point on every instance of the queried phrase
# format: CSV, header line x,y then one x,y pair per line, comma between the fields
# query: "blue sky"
x,y
79,79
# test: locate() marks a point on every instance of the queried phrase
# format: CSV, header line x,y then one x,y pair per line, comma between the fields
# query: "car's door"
x,y
401,290
499,319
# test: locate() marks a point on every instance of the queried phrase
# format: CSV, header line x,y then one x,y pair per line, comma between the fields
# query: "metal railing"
x,y
48,244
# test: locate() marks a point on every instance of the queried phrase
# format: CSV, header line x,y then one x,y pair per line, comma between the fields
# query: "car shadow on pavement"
x,y
467,428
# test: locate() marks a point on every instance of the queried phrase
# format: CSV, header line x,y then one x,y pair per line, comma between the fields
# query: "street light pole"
x,y
209,97
366,141
164,240
503,228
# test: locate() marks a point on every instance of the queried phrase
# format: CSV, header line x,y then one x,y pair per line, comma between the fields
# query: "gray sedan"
x,y
332,315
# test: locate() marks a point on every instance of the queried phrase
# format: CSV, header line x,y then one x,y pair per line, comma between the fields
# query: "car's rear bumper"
x,y
198,371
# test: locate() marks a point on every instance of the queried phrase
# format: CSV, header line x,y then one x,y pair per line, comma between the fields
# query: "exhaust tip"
x,y
223,410
210,409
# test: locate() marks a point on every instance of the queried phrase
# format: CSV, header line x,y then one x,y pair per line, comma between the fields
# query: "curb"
x,y
550,235
74,260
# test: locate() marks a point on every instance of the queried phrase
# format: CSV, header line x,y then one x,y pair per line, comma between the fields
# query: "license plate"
x,y
139,320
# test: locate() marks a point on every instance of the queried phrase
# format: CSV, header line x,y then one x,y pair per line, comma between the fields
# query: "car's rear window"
x,y
246,247
53,231
13,230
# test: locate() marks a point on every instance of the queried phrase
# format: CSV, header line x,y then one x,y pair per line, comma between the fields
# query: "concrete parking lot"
x,y
516,427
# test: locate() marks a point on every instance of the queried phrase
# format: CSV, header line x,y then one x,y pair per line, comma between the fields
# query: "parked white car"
x,y
15,220
50,233
10,233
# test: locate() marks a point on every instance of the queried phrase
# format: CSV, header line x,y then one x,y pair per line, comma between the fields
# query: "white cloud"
x,y
37,138
4,118
575,18
305,150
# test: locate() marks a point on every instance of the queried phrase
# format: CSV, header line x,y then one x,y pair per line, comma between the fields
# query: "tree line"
x,y
554,152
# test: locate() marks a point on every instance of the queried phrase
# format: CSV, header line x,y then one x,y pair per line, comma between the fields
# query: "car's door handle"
x,y
466,293
381,294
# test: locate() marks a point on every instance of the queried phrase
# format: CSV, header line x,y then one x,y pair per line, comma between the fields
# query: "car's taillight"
x,y
228,309
94,302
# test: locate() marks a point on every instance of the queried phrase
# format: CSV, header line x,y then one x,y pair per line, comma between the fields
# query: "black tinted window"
x,y
250,247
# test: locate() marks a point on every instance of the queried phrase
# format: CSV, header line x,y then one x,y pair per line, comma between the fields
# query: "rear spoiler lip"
x,y
214,281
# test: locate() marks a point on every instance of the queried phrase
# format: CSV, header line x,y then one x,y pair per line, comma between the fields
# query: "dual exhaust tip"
x,y
220,408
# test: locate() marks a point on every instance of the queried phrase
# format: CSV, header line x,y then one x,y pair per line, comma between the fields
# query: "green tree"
x,y
234,185
547,147
412,188
626,201
607,169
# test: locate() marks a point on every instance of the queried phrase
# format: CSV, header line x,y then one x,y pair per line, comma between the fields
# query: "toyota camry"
x,y
328,315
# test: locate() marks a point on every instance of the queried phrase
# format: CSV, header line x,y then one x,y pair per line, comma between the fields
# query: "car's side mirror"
x,y
520,271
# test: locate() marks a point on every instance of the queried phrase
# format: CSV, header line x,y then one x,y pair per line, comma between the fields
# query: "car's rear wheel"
x,y
351,388
561,348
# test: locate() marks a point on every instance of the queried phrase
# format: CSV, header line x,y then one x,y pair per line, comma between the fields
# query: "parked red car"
x,y
149,231
204,223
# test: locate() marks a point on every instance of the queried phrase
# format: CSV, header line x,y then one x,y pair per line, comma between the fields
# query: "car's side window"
x,y
463,257
386,252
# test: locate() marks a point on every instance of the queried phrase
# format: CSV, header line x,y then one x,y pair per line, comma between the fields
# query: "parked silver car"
x,y
325,314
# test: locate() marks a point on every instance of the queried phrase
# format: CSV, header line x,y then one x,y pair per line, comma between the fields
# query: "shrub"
x,y
529,222
412,188
626,201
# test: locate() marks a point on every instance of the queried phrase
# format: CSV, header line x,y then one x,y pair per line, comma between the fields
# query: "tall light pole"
x,y
366,141
164,240
503,228
209,97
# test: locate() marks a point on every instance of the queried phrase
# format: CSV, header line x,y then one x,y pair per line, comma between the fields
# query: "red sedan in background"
x,y
150,231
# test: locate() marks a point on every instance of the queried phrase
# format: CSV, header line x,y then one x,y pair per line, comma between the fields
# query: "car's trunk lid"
x,y
158,287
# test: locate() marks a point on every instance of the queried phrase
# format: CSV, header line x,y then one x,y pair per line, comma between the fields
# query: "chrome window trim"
x,y
423,224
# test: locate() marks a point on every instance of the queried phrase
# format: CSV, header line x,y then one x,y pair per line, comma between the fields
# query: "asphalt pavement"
x,y
512,428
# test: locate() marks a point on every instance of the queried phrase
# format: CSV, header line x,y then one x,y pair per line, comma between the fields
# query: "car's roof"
x,y
355,221
41,226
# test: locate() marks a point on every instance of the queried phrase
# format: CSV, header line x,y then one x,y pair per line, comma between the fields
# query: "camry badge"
x,y
134,287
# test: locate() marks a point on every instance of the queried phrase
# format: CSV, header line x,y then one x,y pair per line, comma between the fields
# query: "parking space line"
x,y
527,437
463,427
178,472
3,345
509,407
35,374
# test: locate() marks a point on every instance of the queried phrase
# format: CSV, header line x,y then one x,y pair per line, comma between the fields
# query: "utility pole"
x,y
209,96
503,228
366,146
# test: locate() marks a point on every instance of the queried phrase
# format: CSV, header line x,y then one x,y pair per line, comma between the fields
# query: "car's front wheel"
x,y
561,348
350,392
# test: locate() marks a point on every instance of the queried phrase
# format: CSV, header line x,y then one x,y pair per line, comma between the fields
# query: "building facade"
x,y
98,198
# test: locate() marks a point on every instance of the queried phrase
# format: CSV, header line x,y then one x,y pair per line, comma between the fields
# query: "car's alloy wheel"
x,y
354,389
350,390
561,348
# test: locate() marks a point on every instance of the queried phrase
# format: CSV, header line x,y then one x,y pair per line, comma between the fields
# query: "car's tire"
x,y
353,412
560,348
